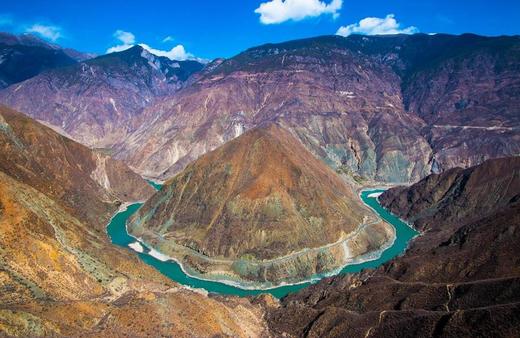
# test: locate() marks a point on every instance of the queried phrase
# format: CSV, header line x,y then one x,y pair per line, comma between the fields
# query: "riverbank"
x,y
117,232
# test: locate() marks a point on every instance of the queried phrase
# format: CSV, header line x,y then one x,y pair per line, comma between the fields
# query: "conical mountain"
x,y
258,198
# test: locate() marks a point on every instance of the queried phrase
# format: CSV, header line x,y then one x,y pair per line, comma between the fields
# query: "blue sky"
x,y
210,29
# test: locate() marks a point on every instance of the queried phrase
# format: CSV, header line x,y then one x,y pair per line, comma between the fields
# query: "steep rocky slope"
x,y
25,56
461,277
60,275
260,209
99,101
366,105
87,184
456,194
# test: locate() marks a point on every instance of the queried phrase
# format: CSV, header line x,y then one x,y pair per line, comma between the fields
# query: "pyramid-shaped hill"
x,y
253,208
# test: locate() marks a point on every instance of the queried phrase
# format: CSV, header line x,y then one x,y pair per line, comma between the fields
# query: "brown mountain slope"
x,y
60,275
86,183
260,197
461,277
457,194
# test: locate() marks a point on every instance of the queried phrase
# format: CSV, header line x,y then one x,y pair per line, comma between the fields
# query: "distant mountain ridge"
x,y
98,102
376,108
386,108
32,40
25,56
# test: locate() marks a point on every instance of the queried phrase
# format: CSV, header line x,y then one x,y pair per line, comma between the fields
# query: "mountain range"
x,y
263,157
391,109
384,108
98,102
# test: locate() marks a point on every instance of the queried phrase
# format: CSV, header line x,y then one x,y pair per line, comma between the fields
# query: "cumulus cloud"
x,y
376,26
176,53
169,38
278,11
125,37
52,33
128,40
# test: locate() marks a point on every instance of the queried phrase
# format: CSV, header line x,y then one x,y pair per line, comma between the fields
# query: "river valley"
x,y
118,233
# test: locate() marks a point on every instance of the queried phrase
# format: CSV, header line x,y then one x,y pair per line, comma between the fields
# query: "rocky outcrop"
x,y
259,210
98,102
59,273
368,106
459,278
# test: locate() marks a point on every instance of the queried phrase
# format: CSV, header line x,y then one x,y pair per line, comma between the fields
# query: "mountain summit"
x,y
98,102
260,208
24,56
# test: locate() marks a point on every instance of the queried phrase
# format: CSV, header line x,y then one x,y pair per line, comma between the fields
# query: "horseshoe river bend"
x,y
118,234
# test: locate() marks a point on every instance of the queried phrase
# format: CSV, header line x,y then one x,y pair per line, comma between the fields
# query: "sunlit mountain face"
x,y
266,168
98,102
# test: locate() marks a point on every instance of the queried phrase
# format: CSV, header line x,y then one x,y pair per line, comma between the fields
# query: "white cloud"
x,y
169,38
278,11
176,53
125,37
52,33
376,26
118,48
128,41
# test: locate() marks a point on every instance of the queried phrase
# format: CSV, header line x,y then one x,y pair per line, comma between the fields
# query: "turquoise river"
x,y
117,231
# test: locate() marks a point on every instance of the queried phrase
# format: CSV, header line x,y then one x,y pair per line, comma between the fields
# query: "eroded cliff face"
x,y
259,210
368,106
98,102
459,278
59,273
